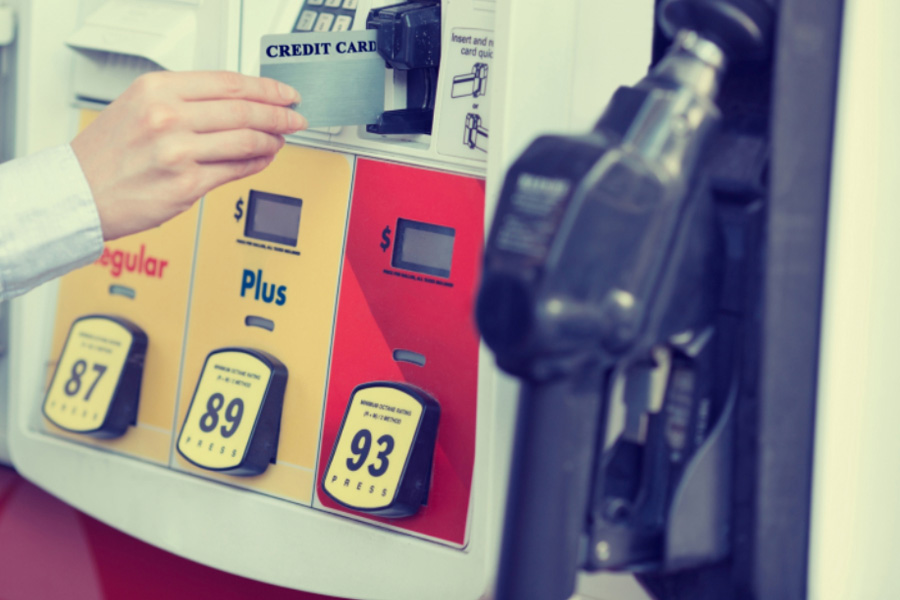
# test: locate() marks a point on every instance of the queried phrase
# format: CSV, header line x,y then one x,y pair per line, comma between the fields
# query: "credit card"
x,y
340,75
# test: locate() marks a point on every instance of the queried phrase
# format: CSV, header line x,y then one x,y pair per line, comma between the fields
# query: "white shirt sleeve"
x,y
48,221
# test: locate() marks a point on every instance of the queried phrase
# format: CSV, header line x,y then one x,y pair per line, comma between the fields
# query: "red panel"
x,y
382,308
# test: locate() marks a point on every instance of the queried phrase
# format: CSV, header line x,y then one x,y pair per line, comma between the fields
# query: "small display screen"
x,y
424,248
273,218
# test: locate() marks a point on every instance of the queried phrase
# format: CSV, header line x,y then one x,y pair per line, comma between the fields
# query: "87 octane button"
x,y
381,461
234,418
97,384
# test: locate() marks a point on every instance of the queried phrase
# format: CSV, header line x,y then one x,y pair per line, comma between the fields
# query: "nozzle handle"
x,y
549,490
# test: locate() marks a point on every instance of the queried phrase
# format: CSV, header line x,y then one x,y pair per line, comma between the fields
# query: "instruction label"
x,y
224,411
87,377
375,442
467,71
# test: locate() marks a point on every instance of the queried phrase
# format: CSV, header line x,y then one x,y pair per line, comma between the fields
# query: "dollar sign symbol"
x,y
385,240
240,210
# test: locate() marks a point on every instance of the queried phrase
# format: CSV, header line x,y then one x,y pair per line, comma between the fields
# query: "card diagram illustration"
x,y
475,135
472,84
465,109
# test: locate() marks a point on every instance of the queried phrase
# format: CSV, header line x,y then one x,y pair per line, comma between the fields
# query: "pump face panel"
x,y
268,257
405,316
144,278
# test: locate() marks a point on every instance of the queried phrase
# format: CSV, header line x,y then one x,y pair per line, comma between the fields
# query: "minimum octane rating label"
x,y
87,374
373,448
222,415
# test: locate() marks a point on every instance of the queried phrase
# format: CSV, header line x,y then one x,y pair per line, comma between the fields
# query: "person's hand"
x,y
172,137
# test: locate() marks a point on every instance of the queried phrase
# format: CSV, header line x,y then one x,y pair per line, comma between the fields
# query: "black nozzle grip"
x,y
553,458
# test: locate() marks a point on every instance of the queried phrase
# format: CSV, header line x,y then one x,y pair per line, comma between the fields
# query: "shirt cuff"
x,y
49,223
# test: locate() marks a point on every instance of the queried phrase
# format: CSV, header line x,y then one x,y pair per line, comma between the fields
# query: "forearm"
x,y
49,223
169,139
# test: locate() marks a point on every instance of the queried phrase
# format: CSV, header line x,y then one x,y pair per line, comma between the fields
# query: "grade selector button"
x,y
234,417
381,462
96,387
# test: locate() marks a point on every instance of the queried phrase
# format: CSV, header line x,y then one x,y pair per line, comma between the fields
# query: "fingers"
x,y
211,85
224,115
172,137
237,145
216,174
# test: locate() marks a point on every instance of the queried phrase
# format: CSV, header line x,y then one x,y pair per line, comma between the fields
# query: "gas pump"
x,y
297,371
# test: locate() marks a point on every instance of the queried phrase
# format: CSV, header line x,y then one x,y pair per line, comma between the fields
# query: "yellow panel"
x,y
224,410
156,265
85,381
376,439
236,274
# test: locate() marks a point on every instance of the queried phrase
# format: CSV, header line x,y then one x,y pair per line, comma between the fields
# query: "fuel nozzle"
x,y
601,258
578,246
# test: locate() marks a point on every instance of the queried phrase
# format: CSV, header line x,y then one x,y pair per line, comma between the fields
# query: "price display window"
x,y
424,248
273,218
381,462
96,387
234,418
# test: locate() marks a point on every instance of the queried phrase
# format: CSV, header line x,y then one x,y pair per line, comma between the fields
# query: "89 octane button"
x,y
97,384
233,421
381,461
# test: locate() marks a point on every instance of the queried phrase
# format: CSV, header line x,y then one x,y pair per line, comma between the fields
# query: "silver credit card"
x,y
340,75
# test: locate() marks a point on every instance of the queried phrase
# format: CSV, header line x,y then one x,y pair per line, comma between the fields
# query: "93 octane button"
x,y
97,384
381,461
234,418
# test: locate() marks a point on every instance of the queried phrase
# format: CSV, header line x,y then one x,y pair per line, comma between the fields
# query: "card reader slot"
x,y
251,321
